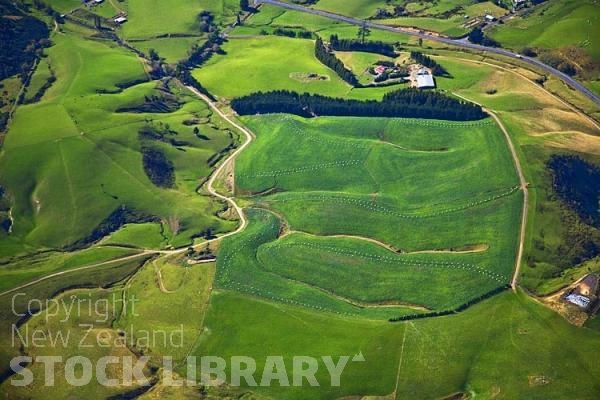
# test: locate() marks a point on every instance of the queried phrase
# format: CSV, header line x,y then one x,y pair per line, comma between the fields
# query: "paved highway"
x,y
574,84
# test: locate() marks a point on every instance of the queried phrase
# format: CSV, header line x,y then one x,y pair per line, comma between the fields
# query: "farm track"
x,y
476,249
517,162
83,268
210,187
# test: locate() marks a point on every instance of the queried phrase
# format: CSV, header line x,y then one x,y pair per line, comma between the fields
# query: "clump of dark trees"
x,y
323,54
292,33
458,309
377,47
198,55
119,217
478,37
22,40
411,103
157,166
429,62
5,221
577,183
398,11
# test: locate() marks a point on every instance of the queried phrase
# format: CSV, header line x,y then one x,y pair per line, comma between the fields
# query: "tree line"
x,y
377,47
289,33
458,309
409,103
429,62
323,54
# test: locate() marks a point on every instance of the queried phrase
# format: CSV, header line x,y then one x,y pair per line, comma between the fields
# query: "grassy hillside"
x,y
152,18
553,25
398,190
507,347
84,161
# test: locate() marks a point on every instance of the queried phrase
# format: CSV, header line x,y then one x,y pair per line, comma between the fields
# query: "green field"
x,y
446,17
97,277
44,167
265,63
385,208
271,63
351,221
553,25
153,18
493,350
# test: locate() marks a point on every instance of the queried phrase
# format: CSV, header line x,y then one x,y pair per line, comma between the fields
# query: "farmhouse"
x,y
380,69
578,300
425,79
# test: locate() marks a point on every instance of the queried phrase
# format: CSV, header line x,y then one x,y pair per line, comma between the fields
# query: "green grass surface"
x,y
449,27
101,276
44,166
265,329
171,49
493,350
185,292
76,340
265,63
553,25
359,63
270,63
409,184
149,235
428,16
151,18
28,269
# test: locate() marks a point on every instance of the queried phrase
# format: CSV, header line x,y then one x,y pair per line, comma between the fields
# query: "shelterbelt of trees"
x,y
329,59
377,47
408,103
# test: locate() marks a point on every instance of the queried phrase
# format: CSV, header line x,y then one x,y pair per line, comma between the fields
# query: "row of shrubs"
x,y
458,309
410,103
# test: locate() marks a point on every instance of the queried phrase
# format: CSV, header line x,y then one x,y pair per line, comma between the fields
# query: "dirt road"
x,y
210,187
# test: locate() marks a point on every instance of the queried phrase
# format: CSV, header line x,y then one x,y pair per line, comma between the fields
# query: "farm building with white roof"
x,y
425,79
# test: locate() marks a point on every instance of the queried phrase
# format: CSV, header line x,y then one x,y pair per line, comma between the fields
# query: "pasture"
x,y
154,18
100,276
43,165
271,63
265,63
446,17
75,339
351,220
385,206
553,25
501,348
168,292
